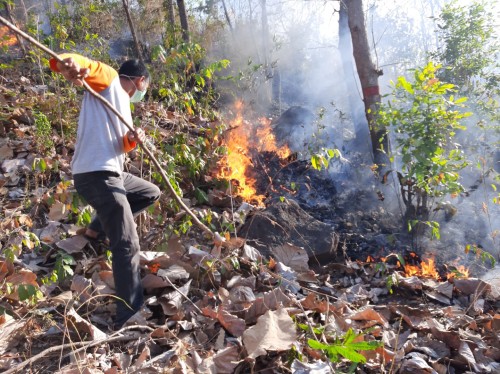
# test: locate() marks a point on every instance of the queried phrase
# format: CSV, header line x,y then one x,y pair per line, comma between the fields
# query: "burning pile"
x,y
244,140
412,265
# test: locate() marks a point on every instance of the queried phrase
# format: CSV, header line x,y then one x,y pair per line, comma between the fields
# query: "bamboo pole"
x,y
125,122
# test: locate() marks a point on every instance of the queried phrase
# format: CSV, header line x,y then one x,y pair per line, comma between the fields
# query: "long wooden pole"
x,y
120,116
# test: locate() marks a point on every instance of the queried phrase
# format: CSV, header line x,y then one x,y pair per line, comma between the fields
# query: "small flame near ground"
x,y
243,139
6,38
425,268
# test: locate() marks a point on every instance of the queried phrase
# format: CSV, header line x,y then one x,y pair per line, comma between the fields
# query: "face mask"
x,y
138,95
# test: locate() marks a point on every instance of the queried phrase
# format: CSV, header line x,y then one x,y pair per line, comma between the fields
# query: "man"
x,y
101,144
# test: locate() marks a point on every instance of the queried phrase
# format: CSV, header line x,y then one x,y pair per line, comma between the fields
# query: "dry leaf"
x,y
22,277
154,281
171,302
317,367
370,315
415,364
268,301
234,325
451,338
274,331
251,254
288,277
142,358
82,286
292,256
63,298
74,244
226,359
174,272
311,302
241,295
58,211
6,268
446,289
11,333
84,326
471,286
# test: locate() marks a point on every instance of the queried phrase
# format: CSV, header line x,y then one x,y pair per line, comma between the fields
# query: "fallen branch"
x,y
122,119
61,347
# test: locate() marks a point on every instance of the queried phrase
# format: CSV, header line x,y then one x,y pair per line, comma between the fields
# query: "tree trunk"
x,y
226,14
132,30
353,97
184,20
170,29
368,76
268,73
20,40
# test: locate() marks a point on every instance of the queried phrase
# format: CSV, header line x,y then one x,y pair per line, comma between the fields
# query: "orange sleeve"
x,y
127,144
100,75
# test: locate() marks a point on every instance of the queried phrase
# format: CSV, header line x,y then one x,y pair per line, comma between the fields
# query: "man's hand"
x,y
72,71
137,136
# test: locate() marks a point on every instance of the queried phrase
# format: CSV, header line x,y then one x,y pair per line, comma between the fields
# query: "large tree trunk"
x,y
184,20
132,30
355,105
368,76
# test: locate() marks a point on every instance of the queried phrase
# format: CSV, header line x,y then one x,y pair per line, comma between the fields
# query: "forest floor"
x,y
214,307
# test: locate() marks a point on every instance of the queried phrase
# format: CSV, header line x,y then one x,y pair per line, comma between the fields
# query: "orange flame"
x,y
267,140
460,272
427,268
6,38
240,140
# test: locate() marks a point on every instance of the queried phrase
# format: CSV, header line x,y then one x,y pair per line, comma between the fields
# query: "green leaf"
x,y
406,85
351,355
201,196
314,344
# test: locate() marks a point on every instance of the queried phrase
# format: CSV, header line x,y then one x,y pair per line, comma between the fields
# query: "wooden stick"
x,y
122,119
57,348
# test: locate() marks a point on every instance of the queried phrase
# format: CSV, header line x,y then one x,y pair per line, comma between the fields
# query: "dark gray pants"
x,y
117,198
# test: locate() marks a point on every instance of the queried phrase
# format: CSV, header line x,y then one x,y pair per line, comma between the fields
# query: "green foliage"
x,y
470,46
345,347
29,292
77,23
322,159
424,116
184,81
433,225
485,257
469,55
43,134
62,269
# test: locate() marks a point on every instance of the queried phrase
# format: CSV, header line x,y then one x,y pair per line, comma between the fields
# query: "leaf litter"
x,y
217,307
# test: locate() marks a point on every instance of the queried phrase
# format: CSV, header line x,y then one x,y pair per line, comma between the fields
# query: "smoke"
x,y
294,61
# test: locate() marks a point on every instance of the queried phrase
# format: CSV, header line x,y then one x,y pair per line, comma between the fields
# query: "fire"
x,y
460,272
6,38
427,268
267,140
238,163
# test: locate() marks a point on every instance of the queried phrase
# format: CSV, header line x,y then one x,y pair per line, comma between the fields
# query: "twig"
x,y
122,119
112,336
183,295
57,348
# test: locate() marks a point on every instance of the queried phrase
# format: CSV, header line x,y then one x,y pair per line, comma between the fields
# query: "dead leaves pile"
x,y
224,309
218,307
